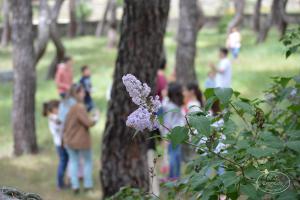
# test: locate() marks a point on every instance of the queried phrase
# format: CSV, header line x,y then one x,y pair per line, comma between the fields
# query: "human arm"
x,y
83,117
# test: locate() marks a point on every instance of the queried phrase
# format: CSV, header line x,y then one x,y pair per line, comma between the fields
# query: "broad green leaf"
x,y
229,127
242,144
201,124
229,178
209,102
209,92
223,94
245,107
261,152
294,133
250,191
294,145
178,135
252,172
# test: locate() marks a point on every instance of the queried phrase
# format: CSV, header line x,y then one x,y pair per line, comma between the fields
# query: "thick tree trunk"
x,y
55,37
190,21
100,30
124,160
6,31
72,17
239,6
287,18
23,118
256,16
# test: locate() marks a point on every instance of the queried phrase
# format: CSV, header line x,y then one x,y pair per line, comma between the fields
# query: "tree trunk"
x,y
112,31
287,18
23,118
6,31
43,30
239,6
256,16
100,30
72,17
124,161
55,37
190,21
274,18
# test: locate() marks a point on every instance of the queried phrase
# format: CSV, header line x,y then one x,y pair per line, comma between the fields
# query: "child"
x,y
64,76
193,98
210,80
86,83
50,110
172,119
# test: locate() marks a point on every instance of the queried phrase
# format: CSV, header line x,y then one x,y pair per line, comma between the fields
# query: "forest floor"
x,y
251,75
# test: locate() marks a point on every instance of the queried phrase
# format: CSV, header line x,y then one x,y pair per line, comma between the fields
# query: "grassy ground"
x,y
37,173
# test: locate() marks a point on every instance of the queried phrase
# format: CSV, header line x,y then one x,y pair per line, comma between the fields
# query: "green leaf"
x,y
209,102
261,152
294,145
250,191
245,107
229,178
209,92
229,127
242,144
201,124
178,135
223,94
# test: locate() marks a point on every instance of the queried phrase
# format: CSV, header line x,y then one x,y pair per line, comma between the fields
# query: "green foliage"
x,y
223,22
291,41
127,193
83,10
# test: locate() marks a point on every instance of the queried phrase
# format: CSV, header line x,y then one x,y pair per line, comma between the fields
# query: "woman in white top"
x,y
234,42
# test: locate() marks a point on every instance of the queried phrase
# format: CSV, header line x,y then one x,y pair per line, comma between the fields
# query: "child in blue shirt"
x,y
86,83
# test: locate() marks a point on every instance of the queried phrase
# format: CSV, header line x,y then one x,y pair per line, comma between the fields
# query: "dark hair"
x,y
83,68
66,59
215,108
195,88
49,106
163,64
175,93
224,51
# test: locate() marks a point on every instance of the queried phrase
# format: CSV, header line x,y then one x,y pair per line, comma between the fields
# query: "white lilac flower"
x,y
137,91
141,119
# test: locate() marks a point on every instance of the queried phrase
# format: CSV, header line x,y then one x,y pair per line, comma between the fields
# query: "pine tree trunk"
x,y
23,118
190,21
100,30
112,31
239,6
124,161
6,31
72,17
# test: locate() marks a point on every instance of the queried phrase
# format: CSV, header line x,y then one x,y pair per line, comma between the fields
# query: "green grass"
x,y
251,74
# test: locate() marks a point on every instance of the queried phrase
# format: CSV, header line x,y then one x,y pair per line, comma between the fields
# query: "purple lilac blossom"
x,y
145,117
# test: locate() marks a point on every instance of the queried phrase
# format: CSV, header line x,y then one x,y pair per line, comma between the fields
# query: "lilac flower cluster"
x,y
145,116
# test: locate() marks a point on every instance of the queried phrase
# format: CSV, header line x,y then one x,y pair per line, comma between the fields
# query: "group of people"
x,y
177,101
69,121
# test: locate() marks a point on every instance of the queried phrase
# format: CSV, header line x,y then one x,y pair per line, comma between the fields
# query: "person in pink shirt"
x,y
64,76
161,80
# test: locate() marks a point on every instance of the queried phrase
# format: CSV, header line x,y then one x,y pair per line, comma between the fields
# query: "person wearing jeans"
x,y
175,160
62,166
78,142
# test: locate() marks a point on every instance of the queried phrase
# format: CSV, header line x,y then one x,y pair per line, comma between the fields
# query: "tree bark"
x,y
6,31
256,16
124,161
239,6
55,37
72,17
23,118
287,18
100,30
190,21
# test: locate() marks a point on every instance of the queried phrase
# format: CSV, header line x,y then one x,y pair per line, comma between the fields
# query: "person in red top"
x,y
64,76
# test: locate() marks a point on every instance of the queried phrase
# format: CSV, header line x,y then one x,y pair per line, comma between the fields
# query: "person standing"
x,y
234,42
77,141
223,71
64,76
86,83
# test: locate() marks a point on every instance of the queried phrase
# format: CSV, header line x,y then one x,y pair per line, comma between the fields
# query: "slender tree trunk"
x,y
112,31
72,17
100,30
190,21
124,161
239,6
56,39
287,18
23,118
43,30
6,31
256,16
